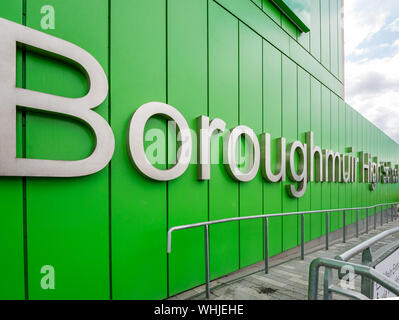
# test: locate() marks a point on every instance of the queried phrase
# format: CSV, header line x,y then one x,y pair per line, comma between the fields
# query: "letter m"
x,y
79,108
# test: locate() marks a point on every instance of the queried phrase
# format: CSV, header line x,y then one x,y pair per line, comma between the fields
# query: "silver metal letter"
x,y
346,168
205,130
314,153
229,153
365,167
355,162
331,162
265,145
80,108
136,141
301,175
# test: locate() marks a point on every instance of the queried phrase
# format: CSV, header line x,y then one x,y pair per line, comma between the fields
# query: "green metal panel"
x,y
362,147
348,144
258,3
187,55
250,105
396,188
379,188
342,150
272,119
315,30
223,103
249,13
326,144
111,227
272,11
316,127
304,39
304,126
288,26
138,205
340,42
385,151
290,132
355,154
67,219
11,198
374,151
334,36
369,196
334,217
325,33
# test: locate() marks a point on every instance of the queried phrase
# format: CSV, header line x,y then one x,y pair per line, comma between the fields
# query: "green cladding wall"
x,y
238,60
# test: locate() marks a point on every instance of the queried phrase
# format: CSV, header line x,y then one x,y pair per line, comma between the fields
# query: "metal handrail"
x,y
364,271
366,244
266,217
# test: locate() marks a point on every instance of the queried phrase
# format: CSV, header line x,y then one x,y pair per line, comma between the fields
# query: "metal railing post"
x,y
302,237
207,276
327,230
387,214
266,245
392,207
366,284
328,279
367,220
344,227
392,213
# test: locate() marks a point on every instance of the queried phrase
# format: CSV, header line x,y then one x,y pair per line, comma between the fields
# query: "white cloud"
x,y
372,88
394,26
363,19
372,84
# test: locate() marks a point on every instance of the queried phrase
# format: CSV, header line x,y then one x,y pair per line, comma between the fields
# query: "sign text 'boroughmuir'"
x,y
297,161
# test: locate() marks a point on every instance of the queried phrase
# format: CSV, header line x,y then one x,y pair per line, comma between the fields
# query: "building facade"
x,y
246,62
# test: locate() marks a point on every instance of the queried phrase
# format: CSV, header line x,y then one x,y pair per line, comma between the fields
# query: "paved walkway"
x,y
286,281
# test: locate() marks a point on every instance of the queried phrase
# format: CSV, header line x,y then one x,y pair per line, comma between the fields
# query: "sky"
x,y
372,61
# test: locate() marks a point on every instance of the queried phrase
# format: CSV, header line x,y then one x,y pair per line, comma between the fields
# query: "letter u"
x,y
267,173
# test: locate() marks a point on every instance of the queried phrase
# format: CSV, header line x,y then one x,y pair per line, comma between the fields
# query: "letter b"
x,y
79,108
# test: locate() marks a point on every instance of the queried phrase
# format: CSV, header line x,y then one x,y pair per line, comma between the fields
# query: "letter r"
x,y
79,108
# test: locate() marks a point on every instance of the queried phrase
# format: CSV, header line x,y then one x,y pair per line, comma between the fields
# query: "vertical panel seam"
x,y
297,138
320,35
167,138
281,134
110,163
207,74
330,49
24,189
263,130
239,122
207,106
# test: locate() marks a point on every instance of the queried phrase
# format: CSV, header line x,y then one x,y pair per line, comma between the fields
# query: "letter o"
x,y
229,153
136,143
